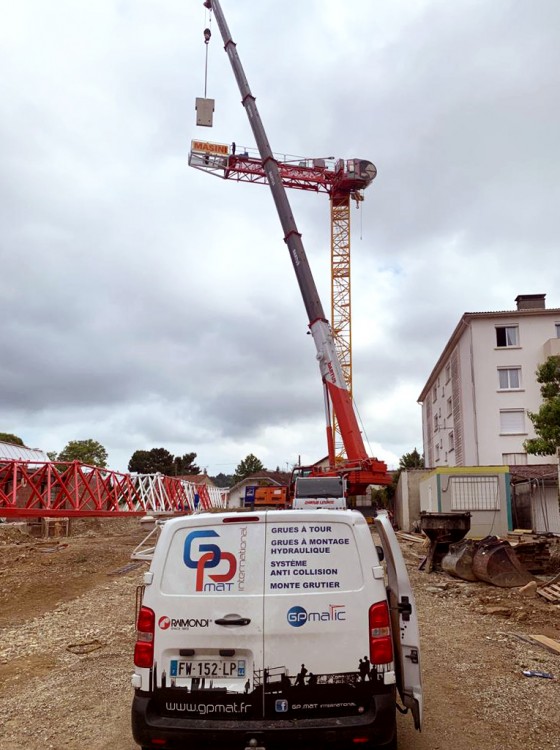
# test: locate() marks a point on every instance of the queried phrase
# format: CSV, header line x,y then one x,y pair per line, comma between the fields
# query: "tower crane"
x,y
358,468
342,180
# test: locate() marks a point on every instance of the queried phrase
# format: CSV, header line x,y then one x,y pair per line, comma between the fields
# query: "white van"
x,y
274,630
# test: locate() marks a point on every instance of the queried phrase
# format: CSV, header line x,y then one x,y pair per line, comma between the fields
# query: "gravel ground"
x,y
67,636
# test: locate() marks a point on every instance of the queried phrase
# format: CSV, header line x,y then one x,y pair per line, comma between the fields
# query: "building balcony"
x,y
551,348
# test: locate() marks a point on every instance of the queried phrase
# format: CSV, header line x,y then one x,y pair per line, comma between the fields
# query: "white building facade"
x,y
475,402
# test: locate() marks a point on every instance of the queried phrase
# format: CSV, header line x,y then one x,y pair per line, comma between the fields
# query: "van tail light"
x,y
380,641
144,647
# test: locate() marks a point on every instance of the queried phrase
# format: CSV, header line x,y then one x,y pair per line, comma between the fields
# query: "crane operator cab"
x,y
275,629
356,174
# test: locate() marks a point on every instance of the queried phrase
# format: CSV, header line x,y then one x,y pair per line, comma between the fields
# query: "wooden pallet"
x,y
551,592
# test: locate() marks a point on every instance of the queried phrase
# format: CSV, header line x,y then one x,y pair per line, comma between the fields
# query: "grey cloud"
x,y
146,302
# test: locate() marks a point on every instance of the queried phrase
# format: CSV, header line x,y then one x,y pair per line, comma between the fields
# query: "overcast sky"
x,y
147,304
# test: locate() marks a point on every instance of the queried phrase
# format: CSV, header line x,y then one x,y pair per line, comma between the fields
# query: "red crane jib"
x,y
304,176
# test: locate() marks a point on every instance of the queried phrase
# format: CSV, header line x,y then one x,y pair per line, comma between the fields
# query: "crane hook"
x,y
207,35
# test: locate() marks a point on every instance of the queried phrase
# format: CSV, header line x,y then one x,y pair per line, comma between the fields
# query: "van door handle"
x,y
233,620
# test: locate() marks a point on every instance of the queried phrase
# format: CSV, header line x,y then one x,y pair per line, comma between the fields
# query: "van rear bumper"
x,y
377,725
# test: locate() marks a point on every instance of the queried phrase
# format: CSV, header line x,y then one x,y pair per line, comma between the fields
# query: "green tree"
x,y
185,464
249,465
153,461
7,437
412,460
223,480
546,420
86,451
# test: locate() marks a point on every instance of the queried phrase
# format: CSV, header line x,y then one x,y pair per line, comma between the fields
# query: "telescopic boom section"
x,y
329,364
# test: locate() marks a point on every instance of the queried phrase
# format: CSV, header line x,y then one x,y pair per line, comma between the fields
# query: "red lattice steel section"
x,y
79,490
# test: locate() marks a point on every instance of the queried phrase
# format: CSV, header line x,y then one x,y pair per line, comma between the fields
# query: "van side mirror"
x,y
380,553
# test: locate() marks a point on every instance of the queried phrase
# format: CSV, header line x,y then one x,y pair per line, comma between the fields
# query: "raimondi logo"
x,y
298,616
182,623
209,556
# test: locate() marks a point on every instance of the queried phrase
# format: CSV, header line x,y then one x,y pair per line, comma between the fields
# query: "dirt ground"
x,y
67,635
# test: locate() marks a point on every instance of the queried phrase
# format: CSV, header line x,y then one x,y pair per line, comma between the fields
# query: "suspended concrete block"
x,y
204,111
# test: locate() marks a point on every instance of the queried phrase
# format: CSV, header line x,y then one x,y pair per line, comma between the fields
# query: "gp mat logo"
x,y
182,623
208,557
298,616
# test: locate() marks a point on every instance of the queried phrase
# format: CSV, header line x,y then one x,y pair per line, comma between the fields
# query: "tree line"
x,y
154,461
546,422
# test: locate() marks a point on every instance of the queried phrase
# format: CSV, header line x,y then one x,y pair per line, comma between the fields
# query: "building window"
x,y
451,438
558,330
475,493
434,394
507,336
514,459
509,378
512,421
436,422
437,452
449,407
447,373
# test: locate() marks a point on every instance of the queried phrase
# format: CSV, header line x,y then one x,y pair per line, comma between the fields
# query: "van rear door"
x,y
404,621
317,649
209,618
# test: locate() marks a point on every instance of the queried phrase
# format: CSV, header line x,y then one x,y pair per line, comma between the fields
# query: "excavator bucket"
x,y
458,561
495,562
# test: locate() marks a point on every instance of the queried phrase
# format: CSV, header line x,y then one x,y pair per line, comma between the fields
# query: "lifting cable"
x,y
207,35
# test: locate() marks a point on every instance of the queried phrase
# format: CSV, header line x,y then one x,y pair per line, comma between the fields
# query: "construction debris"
x,y
408,537
549,644
534,556
529,590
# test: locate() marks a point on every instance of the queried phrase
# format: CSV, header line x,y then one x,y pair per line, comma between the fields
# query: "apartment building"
x,y
476,399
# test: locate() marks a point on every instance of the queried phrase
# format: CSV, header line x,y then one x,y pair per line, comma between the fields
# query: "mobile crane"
x,y
358,469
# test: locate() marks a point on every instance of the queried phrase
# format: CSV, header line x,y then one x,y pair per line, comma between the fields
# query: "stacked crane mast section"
x,y
50,489
359,470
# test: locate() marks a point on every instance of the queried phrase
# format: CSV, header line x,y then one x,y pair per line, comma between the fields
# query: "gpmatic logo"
x,y
299,616
204,557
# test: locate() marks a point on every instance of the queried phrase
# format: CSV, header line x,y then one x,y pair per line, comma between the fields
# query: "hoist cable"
x,y
207,35
206,72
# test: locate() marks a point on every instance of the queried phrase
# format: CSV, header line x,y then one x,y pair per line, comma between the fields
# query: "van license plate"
x,y
226,668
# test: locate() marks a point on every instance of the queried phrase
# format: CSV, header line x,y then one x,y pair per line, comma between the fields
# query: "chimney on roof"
x,y
530,301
